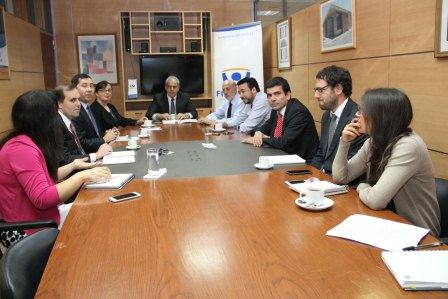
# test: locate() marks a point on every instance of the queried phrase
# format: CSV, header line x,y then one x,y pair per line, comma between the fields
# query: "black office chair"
x,y
442,198
22,265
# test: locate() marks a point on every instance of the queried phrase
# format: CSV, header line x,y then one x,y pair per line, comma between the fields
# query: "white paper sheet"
x,y
169,121
161,172
126,138
109,159
209,145
121,154
381,233
117,181
188,121
285,159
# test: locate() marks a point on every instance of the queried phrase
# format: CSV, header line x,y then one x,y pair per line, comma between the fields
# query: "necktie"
x,y
331,129
75,136
172,107
279,128
229,110
92,119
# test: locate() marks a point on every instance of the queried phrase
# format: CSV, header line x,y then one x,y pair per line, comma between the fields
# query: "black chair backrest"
x,y
442,198
22,266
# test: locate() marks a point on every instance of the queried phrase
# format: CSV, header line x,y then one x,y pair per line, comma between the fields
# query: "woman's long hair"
x,y
388,114
34,114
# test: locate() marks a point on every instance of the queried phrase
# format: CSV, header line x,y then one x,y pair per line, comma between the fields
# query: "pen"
x,y
423,246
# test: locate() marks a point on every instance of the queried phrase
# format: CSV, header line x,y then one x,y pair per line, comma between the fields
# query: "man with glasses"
x,y
171,102
332,91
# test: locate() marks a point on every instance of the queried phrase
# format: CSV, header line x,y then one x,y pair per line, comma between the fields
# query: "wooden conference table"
x,y
233,236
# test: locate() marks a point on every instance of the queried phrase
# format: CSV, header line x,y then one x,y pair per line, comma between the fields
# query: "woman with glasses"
x,y
400,174
106,113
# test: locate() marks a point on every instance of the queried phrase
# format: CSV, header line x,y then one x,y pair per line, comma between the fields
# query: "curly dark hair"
x,y
335,75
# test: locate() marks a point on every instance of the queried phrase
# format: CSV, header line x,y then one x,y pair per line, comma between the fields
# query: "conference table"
x,y
214,236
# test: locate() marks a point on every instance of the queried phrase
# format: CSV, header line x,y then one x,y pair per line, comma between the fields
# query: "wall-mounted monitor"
x,y
188,68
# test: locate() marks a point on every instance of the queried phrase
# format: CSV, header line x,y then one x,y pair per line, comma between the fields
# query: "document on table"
x,y
153,129
169,121
285,159
381,233
328,187
120,157
188,121
418,270
116,182
126,138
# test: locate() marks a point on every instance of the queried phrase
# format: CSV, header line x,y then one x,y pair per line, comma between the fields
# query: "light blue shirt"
x,y
255,114
221,113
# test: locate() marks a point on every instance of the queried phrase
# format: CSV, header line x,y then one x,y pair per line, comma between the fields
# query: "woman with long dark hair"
x,y
400,174
30,180
106,113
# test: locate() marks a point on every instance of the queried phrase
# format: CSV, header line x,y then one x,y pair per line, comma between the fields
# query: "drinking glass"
x,y
153,161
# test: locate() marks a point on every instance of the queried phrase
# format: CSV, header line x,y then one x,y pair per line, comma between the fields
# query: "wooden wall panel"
x,y
13,33
299,37
423,79
372,19
412,26
440,162
269,47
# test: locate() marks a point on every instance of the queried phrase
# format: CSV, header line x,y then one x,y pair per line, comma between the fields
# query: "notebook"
x,y
418,270
285,159
117,182
330,188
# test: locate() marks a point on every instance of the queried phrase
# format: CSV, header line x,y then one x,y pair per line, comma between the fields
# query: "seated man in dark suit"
x,y
290,127
171,102
94,133
69,108
332,91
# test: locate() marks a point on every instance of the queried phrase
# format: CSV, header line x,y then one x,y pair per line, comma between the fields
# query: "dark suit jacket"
x,y
70,149
160,105
299,131
90,141
325,161
106,121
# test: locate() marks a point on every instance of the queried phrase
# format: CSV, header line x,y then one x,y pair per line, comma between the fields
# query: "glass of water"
x,y
153,161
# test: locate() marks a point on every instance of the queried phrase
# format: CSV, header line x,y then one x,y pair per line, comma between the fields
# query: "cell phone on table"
x,y
298,171
296,181
123,197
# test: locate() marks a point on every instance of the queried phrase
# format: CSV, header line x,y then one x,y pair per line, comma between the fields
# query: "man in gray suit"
x,y
332,91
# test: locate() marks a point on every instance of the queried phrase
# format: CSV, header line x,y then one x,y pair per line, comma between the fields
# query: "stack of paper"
x,y
116,182
419,270
285,159
120,157
169,121
328,187
126,138
188,121
381,233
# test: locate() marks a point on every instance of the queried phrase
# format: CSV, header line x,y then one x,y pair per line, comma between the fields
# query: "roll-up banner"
x,y
237,53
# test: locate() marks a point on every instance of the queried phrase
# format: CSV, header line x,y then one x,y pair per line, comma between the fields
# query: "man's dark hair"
x,y
335,75
279,81
59,92
78,77
251,82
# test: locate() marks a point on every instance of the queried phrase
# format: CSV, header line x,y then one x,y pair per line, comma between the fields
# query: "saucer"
x,y
143,136
261,166
133,147
218,131
301,202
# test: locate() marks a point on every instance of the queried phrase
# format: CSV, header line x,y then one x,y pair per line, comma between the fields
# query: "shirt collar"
x,y
84,105
282,111
339,110
66,120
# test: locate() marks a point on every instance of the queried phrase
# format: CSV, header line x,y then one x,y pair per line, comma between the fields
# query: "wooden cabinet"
x,y
167,32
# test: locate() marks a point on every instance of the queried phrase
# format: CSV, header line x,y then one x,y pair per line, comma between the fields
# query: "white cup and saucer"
x,y
314,200
144,133
132,144
147,123
218,127
263,163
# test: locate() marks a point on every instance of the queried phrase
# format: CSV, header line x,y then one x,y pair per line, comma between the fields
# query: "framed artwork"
x,y
97,57
4,64
441,38
284,44
337,25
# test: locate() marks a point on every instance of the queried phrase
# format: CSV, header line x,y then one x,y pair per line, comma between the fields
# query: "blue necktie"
x,y
173,107
92,119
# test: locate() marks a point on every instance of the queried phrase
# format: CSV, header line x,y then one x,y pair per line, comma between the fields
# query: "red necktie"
x,y
75,136
279,128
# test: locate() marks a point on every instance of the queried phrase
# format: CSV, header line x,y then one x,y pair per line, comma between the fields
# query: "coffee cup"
x,y
218,127
144,132
263,161
314,196
132,143
148,122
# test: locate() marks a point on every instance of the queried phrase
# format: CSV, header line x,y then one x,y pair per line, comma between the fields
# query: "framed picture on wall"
x,y
284,44
441,40
97,57
337,25
4,63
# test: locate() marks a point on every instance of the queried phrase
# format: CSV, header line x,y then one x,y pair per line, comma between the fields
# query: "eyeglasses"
x,y
105,90
320,89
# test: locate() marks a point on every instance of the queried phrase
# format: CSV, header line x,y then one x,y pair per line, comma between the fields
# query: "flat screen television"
x,y
188,68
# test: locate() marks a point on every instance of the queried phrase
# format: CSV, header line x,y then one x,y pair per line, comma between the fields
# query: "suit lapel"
x,y
165,105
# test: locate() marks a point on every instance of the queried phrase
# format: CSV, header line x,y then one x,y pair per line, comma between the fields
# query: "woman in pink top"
x,y
31,186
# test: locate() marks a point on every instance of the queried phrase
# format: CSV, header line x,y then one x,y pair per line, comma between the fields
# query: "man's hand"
x,y
249,140
163,116
83,164
141,121
206,121
111,135
104,150
181,116
258,139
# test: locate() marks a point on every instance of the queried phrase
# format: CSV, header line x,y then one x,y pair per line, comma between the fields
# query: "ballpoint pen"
x,y
424,246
